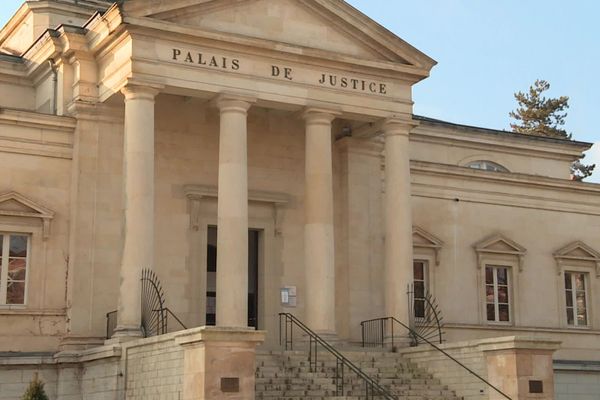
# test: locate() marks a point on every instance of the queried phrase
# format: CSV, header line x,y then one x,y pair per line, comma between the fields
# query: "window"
x,y
487,166
497,289
576,298
14,249
420,274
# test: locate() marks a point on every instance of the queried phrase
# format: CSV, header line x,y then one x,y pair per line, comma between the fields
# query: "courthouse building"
x,y
280,135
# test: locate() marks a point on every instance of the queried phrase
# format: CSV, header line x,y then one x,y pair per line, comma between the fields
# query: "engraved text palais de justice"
x,y
280,72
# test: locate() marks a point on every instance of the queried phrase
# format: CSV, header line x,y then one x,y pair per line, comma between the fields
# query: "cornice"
x,y
496,177
37,120
55,140
482,139
14,22
445,125
272,49
81,10
504,144
377,32
338,13
487,187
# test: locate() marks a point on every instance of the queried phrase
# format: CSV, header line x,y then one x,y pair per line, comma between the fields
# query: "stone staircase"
x,y
287,376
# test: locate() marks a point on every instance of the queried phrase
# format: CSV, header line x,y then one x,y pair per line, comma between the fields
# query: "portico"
x,y
321,95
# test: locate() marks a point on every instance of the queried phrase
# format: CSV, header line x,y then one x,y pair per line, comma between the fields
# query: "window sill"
x,y
579,327
11,307
23,310
499,323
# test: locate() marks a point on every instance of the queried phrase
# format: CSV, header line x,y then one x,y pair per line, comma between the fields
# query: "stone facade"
x,y
130,129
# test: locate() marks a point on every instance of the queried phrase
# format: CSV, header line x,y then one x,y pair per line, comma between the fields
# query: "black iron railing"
x,y
425,318
111,323
383,326
155,315
286,340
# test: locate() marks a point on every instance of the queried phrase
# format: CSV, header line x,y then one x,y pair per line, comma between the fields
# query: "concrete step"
x,y
290,375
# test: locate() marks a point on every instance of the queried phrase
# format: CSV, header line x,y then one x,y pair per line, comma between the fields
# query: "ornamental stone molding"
x,y
13,204
499,245
425,240
577,252
196,193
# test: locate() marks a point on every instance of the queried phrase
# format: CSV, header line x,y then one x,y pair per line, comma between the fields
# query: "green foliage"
x,y
541,116
538,115
35,391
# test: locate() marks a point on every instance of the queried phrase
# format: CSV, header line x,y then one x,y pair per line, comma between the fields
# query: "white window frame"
x,y
586,283
5,260
495,268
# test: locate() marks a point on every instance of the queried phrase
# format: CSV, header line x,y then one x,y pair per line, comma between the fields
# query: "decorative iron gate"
x,y
155,315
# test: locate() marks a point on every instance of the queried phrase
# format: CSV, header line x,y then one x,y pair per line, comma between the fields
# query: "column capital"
x,y
318,115
133,91
398,126
233,102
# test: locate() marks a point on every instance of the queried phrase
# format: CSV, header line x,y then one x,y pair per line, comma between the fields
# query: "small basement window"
x,y
487,166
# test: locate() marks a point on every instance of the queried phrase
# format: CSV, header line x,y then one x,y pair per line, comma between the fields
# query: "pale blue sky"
x,y
486,50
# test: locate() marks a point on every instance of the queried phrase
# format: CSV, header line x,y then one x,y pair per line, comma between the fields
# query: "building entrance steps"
x,y
287,375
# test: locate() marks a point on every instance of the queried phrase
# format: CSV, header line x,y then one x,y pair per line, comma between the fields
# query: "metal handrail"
x,y
416,334
168,311
341,360
430,323
111,323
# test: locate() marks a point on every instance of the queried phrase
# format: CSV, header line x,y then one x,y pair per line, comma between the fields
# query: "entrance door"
x,y
211,284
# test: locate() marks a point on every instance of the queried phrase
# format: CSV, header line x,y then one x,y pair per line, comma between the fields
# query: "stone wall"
x,y
510,364
154,369
450,373
14,379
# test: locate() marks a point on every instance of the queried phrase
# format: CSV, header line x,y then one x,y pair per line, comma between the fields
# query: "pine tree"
x,y
35,391
541,116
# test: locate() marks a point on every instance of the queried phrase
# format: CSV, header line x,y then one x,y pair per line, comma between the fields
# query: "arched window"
x,y
486,165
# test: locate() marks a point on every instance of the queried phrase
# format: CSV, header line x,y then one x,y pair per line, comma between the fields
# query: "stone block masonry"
x,y
511,364
154,369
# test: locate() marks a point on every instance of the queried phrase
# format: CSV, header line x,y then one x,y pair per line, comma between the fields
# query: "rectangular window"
x,y
420,283
576,298
14,249
497,293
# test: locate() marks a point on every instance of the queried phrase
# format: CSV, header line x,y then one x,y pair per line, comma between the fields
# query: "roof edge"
x,y
479,129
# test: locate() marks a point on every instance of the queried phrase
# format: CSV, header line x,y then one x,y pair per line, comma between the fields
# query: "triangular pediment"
x,y
422,238
499,244
577,251
328,25
15,204
425,240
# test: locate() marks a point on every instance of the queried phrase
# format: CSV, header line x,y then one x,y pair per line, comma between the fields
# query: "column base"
x,y
219,363
124,333
79,342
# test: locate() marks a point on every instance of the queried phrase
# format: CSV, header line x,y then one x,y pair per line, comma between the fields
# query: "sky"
x,y
486,50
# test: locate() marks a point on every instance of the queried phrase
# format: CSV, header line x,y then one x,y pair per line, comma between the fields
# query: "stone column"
x,y
398,219
138,193
319,265
232,209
